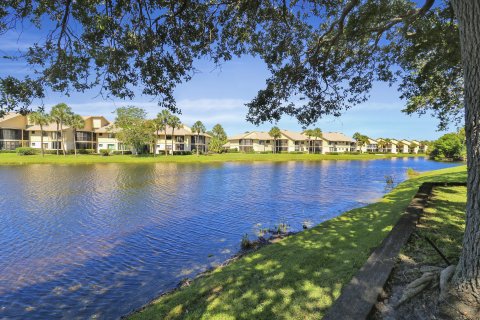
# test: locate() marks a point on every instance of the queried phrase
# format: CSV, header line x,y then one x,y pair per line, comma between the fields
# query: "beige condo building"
x,y
97,134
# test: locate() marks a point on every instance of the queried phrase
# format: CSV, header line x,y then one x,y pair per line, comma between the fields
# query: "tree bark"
x,y
464,295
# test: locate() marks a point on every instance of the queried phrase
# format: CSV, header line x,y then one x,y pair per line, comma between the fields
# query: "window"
x,y
45,134
111,135
199,140
33,132
111,146
55,135
246,142
56,145
83,136
33,144
100,145
10,145
85,145
10,134
169,137
179,138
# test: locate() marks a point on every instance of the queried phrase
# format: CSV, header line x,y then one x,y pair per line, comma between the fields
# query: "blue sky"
x,y
218,95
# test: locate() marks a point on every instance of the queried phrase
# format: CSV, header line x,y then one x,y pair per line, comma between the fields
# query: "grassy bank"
x,y
299,277
443,222
12,158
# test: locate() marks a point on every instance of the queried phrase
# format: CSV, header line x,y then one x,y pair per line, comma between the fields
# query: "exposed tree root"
x,y
431,278
445,276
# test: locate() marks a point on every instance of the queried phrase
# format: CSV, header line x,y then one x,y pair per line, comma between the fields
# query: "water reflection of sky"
x,y
101,240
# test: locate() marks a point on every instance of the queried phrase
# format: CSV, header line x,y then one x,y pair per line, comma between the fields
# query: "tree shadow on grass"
x,y
297,278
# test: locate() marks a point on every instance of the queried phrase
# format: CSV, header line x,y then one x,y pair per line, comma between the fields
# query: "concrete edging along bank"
x,y
360,296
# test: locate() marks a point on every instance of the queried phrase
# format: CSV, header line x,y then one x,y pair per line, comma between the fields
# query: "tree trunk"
x,y
41,140
173,140
166,142
63,138
464,295
75,141
155,146
57,139
198,135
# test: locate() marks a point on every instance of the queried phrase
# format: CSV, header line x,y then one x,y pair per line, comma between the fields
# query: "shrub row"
x,y
116,152
26,151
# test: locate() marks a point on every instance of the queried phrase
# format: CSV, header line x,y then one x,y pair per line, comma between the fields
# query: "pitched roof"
x,y
258,135
297,136
10,115
372,141
239,136
336,136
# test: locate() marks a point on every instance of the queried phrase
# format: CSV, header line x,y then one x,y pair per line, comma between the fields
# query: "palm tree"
x,y
75,121
198,128
361,140
41,119
164,118
158,125
275,133
309,134
60,114
384,143
317,133
174,123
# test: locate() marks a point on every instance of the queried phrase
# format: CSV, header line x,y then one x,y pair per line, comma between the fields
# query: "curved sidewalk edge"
x,y
360,296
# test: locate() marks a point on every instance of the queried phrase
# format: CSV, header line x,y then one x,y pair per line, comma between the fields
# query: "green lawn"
x,y
443,222
299,277
12,158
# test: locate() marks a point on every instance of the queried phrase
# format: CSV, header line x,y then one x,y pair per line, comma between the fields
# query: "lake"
x,y
100,240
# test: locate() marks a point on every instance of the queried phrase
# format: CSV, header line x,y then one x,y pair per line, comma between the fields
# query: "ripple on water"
x,y
101,240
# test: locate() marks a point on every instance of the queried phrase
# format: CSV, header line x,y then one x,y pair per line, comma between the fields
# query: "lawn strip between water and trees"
x,y
15,159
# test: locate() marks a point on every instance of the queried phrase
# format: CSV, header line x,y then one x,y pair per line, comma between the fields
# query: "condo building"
x,y
97,134
290,141
330,142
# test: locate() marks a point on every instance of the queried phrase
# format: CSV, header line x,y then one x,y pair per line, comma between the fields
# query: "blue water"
x,y
101,240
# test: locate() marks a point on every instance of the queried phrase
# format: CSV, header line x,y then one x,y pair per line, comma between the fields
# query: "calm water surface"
x,y
96,241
